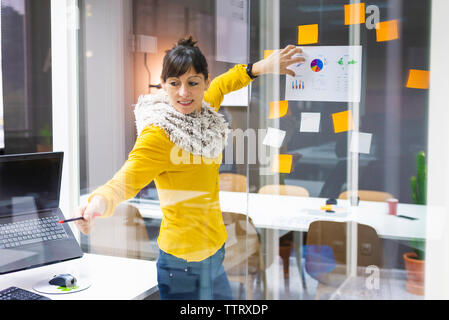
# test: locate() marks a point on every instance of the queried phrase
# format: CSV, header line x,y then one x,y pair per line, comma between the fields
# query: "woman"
x,y
183,119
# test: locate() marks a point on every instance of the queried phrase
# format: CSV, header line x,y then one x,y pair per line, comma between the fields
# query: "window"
x,y
26,113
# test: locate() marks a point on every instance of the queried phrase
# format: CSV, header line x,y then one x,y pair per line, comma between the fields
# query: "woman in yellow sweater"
x,y
179,146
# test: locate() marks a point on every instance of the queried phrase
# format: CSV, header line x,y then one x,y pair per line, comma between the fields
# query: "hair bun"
x,y
187,42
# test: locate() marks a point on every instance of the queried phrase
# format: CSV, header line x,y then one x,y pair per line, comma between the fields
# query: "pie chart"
x,y
317,65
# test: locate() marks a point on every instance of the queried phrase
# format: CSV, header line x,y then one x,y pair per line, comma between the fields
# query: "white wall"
x,y
437,245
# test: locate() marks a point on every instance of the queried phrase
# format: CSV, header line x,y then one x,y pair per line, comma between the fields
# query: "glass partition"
x,y
321,187
122,45
343,148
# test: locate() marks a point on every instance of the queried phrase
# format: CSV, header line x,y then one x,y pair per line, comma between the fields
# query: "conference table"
x,y
292,213
278,214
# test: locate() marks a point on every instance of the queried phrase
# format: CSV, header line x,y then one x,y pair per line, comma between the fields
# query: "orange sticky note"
x,y
354,13
282,163
278,109
387,31
418,79
343,121
267,53
308,34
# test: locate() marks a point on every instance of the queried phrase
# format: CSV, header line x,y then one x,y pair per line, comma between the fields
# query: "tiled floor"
x,y
391,286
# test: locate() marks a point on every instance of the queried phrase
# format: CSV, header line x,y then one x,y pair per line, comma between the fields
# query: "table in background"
x,y
293,213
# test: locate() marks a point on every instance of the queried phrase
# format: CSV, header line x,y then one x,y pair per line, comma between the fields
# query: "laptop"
x,y
30,235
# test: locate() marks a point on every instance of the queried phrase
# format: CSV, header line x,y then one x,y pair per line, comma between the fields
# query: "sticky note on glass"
x,y
274,137
308,34
387,31
282,163
418,79
267,53
310,122
343,121
354,13
360,142
278,109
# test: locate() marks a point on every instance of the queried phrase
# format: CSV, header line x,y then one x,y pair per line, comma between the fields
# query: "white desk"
x,y
112,278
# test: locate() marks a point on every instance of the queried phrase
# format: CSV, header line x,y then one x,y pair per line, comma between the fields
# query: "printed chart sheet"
x,y
330,73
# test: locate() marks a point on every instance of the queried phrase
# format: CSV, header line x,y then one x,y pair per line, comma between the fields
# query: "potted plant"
x,y
415,260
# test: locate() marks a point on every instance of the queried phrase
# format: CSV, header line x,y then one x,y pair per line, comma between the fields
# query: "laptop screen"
x,y
29,182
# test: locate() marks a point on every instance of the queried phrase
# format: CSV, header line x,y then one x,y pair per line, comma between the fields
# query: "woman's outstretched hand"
x,y
278,61
94,208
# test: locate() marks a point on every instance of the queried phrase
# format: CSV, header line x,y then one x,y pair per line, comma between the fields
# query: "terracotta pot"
x,y
415,273
44,148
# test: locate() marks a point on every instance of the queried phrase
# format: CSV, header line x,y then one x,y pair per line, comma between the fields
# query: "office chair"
x,y
369,195
325,253
232,182
284,190
243,248
124,235
286,241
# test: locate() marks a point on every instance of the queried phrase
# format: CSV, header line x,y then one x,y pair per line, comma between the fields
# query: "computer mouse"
x,y
63,280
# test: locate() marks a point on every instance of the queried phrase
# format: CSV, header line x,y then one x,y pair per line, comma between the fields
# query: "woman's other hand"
x,y
96,207
278,61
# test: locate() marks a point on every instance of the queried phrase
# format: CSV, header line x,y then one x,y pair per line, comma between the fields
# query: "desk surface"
x,y
112,278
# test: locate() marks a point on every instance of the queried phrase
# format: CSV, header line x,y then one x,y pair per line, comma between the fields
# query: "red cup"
x,y
393,206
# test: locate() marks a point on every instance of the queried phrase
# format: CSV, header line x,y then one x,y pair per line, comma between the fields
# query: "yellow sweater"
x,y
192,227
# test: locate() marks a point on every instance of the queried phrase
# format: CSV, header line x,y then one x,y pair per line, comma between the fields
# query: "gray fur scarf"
x,y
202,133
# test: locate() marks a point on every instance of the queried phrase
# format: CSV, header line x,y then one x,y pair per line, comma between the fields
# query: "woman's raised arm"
x,y
278,61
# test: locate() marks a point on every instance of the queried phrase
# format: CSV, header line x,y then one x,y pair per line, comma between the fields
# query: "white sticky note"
x,y
274,137
310,122
360,142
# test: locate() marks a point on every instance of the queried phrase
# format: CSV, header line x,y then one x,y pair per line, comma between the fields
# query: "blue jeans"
x,y
181,280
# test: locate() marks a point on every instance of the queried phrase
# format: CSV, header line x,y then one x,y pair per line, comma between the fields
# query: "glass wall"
x,y
316,165
26,106
352,122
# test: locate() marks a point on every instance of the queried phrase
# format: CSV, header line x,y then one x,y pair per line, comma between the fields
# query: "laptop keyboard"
x,y
14,293
31,231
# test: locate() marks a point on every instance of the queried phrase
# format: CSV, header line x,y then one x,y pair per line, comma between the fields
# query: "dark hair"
x,y
181,57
